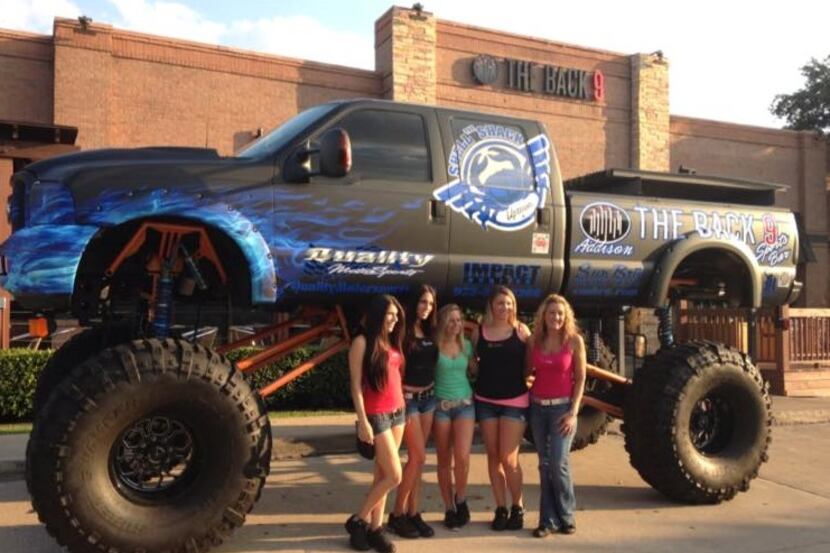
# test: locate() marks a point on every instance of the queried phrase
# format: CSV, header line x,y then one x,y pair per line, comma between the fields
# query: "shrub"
x,y
19,369
324,387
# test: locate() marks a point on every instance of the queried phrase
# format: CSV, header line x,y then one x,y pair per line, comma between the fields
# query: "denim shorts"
x,y
384,421
486,411
448,410
420,403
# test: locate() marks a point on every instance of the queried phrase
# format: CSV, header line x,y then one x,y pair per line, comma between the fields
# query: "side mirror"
x,y
332,158
335,153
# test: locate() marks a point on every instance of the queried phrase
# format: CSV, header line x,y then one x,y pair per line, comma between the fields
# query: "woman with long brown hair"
x,y
376,366
502,400
556,360
421,354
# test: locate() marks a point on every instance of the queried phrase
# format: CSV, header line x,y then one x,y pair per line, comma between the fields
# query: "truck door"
x,y
498,197
372,231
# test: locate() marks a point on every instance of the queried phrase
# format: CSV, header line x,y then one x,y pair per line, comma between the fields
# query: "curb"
x,y
12,470
792,418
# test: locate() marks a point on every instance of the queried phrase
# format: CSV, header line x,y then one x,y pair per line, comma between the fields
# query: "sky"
x,y
728,58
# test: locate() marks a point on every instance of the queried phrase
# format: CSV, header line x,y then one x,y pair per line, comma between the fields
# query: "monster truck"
x,y
145,440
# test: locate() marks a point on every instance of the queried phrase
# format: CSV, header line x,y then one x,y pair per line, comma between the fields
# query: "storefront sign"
x,y
526,76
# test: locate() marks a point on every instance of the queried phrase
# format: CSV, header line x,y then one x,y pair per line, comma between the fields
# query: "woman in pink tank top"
x,y
556,362
375,374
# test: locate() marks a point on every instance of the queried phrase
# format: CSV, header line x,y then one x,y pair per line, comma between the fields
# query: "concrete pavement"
x,y
306,500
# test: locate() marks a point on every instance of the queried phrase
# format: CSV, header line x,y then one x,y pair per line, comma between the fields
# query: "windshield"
x,y
283,134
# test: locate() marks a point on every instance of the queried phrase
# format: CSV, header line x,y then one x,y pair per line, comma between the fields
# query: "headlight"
x,y
50,203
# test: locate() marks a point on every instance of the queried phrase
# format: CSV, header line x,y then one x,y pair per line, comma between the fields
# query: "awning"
x,y
35,141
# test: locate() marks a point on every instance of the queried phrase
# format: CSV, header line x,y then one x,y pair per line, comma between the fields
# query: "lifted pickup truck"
x,y
147,441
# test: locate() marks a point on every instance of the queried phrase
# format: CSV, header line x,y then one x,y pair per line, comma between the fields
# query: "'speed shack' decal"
x,y
499,180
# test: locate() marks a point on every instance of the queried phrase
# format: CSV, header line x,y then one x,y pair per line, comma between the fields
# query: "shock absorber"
x,y
163,309
665,328
594,341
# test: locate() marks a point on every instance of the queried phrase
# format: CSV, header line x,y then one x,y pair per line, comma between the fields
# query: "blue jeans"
x,y
557,503
421,403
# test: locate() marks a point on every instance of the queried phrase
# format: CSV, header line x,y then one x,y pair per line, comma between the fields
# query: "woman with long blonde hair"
x,y
454,415
501,400
556,361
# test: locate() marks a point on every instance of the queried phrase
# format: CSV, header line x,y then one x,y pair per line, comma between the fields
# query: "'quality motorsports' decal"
x,y
494,182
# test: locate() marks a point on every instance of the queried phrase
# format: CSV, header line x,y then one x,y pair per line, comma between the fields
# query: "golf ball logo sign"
x,y
604,222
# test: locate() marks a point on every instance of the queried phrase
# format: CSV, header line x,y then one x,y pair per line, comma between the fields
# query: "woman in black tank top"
x,y
418,386
502,399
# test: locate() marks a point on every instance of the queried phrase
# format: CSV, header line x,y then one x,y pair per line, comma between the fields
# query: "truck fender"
x,y
674,255
250,241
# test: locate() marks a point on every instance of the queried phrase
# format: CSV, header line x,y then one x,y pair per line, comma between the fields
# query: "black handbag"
x,y
365,449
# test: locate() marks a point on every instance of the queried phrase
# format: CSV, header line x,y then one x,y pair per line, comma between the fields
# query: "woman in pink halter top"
x,y
556,361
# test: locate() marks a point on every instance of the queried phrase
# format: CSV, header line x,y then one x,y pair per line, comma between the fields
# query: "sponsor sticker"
x,y
376,264
540,243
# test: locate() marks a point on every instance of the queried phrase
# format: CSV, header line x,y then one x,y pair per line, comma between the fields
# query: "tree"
x,y
808,108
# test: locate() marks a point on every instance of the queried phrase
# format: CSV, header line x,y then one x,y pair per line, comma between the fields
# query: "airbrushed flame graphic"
x,y
348,225
272,226
495,178
44,259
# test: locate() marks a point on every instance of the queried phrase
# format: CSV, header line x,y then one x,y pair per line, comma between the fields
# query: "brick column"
x,y
405,55
83,80
650,139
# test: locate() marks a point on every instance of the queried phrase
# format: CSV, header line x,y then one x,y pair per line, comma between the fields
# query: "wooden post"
x,y
5,319
782,348
752,338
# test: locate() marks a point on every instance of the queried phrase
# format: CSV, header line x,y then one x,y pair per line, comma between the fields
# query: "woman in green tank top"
x,y
454,415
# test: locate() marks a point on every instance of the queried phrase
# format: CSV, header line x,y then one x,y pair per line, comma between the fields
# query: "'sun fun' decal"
x,y
495,183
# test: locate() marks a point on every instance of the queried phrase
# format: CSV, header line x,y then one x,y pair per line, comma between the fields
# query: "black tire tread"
x,y
593,423
77,349
100,375
651,411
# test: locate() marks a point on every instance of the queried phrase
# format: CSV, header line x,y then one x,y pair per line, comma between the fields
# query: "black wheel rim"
x,y
711,424
154,458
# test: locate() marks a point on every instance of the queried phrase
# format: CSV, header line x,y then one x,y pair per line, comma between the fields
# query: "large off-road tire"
x,y
77,350
591,422
152,446
698,422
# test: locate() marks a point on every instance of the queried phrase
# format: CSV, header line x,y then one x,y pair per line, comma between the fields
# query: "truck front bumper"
x,y
39,263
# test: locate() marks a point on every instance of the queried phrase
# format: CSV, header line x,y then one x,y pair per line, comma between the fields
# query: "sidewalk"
x,y
298,437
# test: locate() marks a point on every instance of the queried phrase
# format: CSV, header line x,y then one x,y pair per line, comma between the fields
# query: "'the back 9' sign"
x,y
526,76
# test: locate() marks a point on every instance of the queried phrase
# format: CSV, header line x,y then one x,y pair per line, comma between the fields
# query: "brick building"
x,y
603,109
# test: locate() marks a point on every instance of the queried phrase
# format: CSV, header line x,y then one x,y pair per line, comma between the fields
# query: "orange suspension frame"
x,y
333,321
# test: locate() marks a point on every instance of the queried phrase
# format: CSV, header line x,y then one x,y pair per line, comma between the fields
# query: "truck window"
x,y
388,145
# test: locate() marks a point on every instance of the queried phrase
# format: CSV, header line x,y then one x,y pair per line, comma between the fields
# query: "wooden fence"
x,y
790,345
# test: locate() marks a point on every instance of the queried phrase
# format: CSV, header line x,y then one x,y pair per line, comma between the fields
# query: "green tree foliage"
x,y
808,108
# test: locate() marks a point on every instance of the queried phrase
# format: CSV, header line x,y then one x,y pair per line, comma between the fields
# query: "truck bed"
x,y
704,188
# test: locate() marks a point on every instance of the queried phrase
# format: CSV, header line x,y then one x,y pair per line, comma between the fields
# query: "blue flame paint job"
x,y
50,203
44,259
272,226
